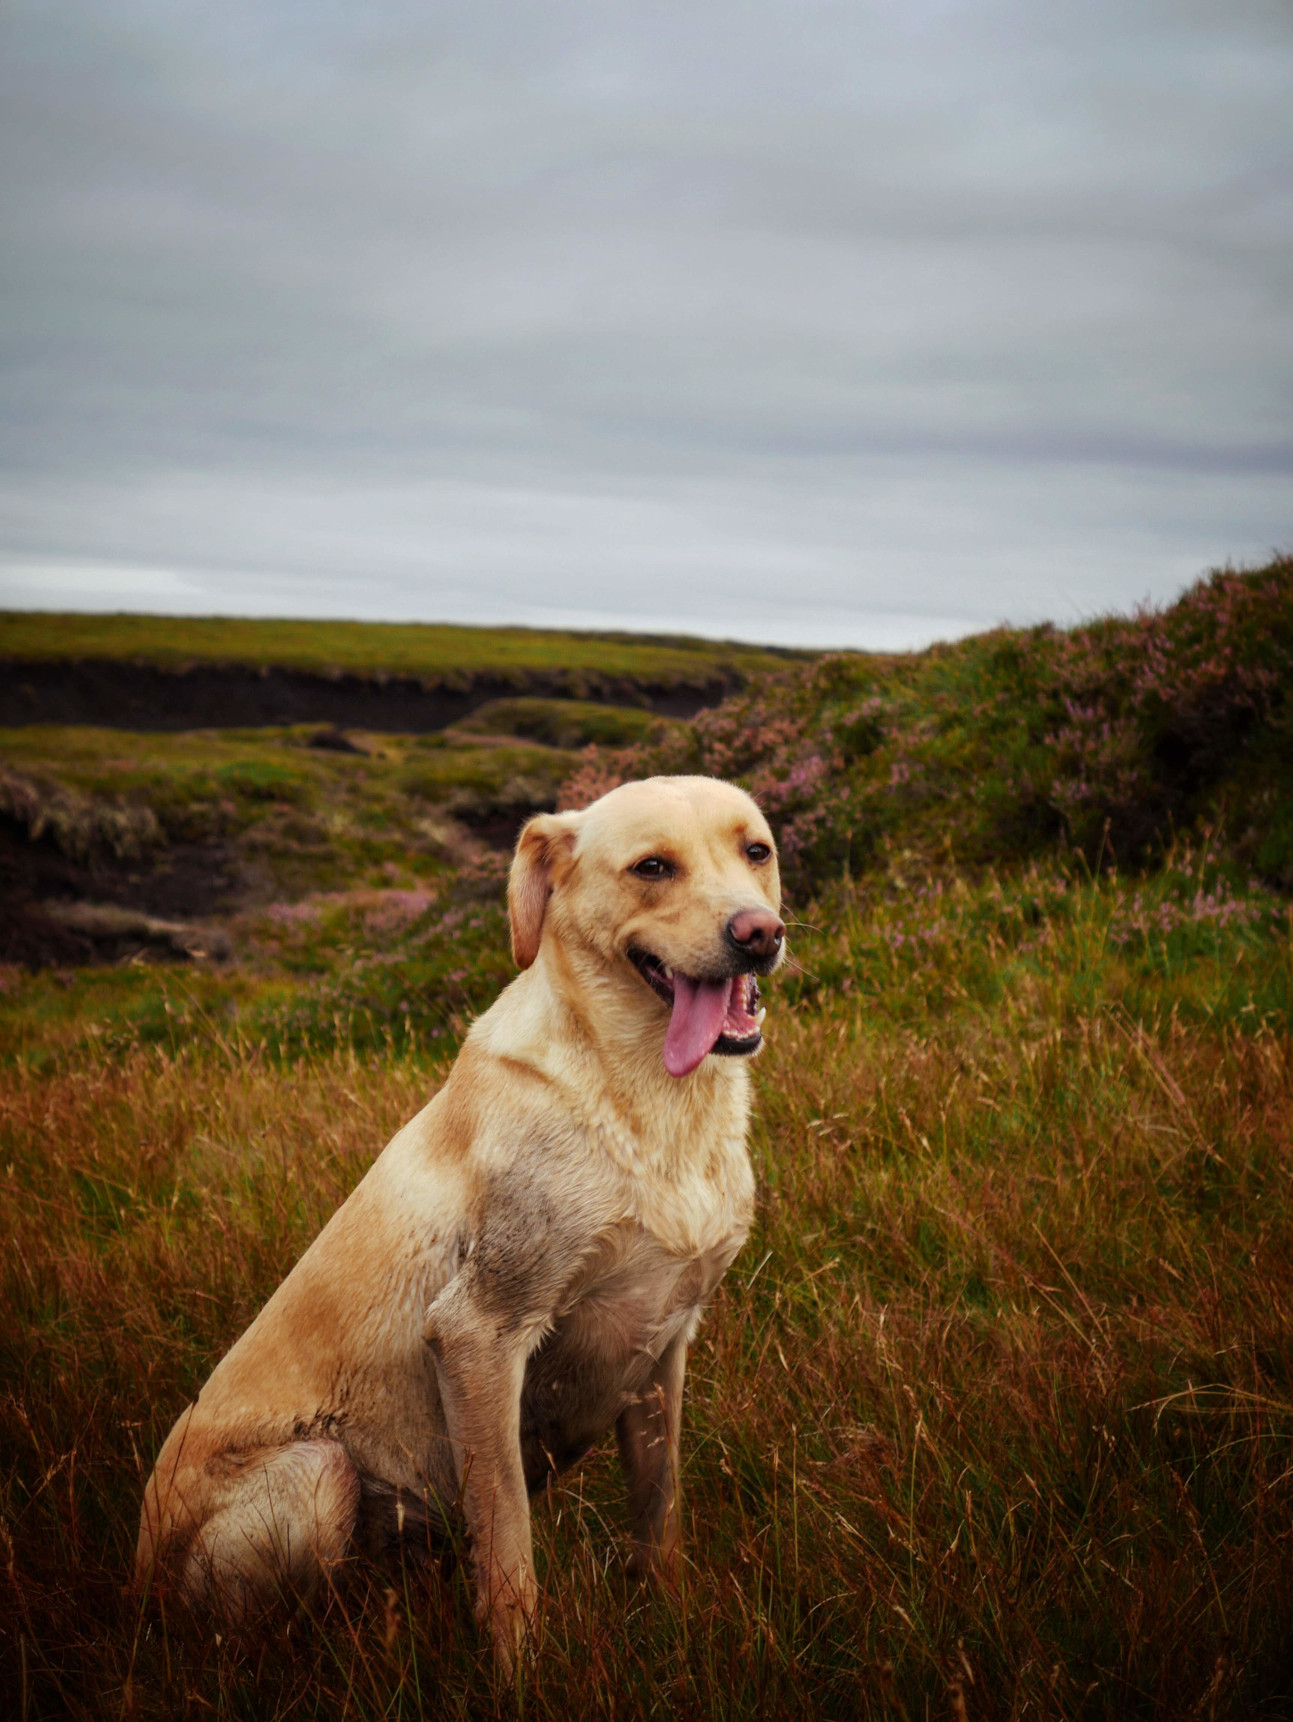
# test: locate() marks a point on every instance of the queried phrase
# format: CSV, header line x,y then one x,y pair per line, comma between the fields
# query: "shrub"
x,y
1110,738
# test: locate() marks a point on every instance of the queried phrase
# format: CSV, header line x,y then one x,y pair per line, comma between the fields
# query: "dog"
x,y
526,1263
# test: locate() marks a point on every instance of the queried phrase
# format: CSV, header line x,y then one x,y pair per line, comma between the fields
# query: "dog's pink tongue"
x,y
699,1008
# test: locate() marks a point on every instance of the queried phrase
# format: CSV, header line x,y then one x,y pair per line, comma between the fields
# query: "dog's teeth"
x,y
758,1021
666,971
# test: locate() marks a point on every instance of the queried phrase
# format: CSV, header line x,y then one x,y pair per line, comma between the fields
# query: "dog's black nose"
x,y
756,932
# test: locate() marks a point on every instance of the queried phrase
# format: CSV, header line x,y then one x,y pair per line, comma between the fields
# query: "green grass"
x,y
561,723
436,650
165,771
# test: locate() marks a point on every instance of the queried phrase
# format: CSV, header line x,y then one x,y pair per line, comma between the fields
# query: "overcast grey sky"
x,y
789,320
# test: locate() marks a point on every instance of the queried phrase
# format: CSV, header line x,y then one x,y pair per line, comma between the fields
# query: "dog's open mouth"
x,y
705,1016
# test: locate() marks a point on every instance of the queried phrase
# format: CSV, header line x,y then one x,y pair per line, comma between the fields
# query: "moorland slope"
x,y
993,1416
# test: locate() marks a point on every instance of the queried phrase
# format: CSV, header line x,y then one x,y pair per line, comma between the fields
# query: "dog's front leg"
x,y
480,1373
648,1433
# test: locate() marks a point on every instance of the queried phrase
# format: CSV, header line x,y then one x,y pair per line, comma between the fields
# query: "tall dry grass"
x,y
991,1418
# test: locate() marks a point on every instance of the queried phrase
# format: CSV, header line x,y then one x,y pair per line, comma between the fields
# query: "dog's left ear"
x,y
529,885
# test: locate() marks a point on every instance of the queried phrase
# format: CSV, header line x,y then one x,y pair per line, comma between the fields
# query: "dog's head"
x,y
672,886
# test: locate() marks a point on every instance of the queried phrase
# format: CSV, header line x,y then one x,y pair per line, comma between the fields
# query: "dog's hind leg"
x,y
648,1432
278,1519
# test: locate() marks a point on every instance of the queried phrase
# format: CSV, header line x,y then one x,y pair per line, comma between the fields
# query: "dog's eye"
x,y
653,867
757,852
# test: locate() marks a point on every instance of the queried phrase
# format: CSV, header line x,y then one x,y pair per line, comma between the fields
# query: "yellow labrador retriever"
x,y
526,1263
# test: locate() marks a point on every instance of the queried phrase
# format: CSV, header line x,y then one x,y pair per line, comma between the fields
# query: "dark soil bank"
x,y
122,695
196,880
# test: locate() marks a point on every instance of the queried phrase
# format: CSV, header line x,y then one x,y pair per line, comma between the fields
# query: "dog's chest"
x,y
605,1342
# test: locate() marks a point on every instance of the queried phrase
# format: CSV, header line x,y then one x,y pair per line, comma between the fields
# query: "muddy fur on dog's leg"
x,y
405,1525
648,1434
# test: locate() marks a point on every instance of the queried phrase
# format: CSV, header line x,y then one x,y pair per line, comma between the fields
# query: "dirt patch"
x,y
39,883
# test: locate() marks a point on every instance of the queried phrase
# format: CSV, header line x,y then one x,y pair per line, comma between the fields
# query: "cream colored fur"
x,y
524,1265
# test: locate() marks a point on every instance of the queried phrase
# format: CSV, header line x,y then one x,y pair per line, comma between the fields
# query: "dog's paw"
x,y
509,1617
512,1633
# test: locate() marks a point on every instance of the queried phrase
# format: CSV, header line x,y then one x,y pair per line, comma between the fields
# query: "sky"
x,y
825,324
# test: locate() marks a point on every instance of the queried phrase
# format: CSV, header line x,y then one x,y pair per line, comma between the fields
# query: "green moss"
x,y
561,723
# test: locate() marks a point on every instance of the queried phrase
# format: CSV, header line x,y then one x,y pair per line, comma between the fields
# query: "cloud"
x,y
661,312
38,583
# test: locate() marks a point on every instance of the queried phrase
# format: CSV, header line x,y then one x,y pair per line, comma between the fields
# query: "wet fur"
x,y
521,1270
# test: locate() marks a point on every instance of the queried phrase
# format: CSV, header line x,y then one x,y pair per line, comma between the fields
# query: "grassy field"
x,y
407,648
993,1417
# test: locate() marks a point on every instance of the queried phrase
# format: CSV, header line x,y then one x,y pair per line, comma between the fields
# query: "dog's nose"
x,y
757,932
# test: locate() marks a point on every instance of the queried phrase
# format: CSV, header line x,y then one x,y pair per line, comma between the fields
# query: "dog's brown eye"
x,y
653,867
757,852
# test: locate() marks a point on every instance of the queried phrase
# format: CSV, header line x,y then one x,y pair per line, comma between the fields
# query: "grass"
x,y
561,723
411,648
994,1410
992,1417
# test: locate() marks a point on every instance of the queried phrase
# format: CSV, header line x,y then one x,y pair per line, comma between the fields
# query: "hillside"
x,y
175,673
1109,739
993,1415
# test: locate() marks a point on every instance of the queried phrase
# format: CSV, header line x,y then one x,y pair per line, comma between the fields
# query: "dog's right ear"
x,y
538,849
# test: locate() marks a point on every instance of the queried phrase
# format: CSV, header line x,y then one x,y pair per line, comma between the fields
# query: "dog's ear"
x,y
529,885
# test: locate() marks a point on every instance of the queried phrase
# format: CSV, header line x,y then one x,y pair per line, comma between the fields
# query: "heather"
x,y
993,1416
1109,739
